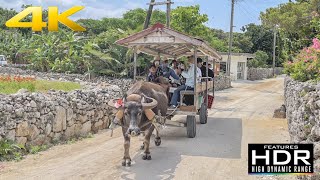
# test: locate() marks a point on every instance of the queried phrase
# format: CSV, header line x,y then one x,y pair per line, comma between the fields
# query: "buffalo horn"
x,y
150,105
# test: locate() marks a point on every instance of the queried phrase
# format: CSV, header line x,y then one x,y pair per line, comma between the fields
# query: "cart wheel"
x,y
203,114
191,126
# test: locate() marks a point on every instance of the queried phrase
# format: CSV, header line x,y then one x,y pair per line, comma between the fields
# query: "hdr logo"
x,y
280,158
54,18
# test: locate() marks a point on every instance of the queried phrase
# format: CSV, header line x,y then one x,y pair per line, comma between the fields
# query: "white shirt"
x,y
189,75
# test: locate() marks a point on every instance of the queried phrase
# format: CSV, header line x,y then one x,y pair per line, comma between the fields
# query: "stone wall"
x,y
302,102
221,82
262,73
34,118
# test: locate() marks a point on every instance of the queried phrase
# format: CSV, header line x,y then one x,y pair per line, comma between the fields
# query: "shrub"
x,y
11,151
260,61
306,65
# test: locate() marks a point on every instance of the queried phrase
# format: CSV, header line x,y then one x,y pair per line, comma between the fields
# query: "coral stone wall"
x,y
262,73
302,102
35,118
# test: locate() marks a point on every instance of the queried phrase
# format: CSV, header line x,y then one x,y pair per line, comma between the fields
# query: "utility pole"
x,y
230,39
274,49
168,13
147,22
151,5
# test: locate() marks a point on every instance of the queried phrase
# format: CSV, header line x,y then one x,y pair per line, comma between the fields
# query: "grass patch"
x,y
10,151
11,87
37,149
44,86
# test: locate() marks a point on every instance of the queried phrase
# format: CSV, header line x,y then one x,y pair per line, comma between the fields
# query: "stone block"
x,y
86,128
33,132
11,135
70,132
60,121
22,129
21,140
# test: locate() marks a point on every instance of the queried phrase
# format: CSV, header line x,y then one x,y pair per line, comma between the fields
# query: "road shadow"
x,y
219,138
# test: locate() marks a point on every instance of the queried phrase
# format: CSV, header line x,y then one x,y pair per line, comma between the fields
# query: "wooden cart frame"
x,y
159,40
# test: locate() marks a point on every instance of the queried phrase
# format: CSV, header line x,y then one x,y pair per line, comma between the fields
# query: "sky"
x,y
246,11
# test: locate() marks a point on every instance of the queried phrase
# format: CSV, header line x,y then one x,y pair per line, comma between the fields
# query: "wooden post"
x,y
168,13
147,22
207,74
195,78
274,50
214,75
135,64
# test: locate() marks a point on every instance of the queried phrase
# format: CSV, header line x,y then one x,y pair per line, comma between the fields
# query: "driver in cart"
x,y
189,85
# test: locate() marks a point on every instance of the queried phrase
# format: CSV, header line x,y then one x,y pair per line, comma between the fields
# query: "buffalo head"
x,y
130,113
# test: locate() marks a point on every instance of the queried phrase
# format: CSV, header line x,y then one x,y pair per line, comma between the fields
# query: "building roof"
x,y
166,42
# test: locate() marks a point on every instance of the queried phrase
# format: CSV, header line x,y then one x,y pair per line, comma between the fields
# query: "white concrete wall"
x,y
234,65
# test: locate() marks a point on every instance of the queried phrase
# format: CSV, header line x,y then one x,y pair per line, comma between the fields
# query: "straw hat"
x,y
157,58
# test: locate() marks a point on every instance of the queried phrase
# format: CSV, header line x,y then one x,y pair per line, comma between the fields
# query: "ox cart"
x,y
159,40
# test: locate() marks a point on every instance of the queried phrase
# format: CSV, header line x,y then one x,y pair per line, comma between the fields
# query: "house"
x,y
238,69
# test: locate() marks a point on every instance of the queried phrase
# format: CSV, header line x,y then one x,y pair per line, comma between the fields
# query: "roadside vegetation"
x,y
11,85
11,151
95,51
306,65
296,23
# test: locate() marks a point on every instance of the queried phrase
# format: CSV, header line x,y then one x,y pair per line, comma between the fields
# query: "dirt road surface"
x,y
241,115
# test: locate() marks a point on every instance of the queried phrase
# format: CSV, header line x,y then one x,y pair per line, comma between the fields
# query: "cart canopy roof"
x,y
159,40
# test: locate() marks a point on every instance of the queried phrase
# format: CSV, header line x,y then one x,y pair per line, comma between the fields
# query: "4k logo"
x,y
53,19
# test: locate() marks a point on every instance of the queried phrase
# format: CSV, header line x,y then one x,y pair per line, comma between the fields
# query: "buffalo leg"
x,y
157,140
126,158
146,155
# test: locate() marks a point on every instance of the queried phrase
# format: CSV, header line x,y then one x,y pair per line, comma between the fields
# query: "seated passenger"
x,y
189,85
152,77
174,82
204,71
168,72
174,64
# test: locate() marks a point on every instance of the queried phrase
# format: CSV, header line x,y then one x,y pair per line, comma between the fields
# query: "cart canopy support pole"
x,y
195,77
135,64
207,75
214,76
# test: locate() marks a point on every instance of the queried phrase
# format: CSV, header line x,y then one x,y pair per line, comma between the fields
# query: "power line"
x,y
246,13
249,5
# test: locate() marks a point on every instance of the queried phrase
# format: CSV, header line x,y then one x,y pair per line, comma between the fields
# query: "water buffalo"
x,y
143,103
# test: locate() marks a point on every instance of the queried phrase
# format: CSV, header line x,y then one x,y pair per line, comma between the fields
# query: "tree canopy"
x,y
95,50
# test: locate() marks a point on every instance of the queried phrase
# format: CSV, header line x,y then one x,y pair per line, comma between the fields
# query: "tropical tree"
x,y
260,61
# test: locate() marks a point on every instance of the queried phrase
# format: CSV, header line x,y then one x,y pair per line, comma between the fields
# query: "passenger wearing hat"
x,y
152,77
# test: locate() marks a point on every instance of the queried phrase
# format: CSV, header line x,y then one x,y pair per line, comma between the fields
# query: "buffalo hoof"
x,y
146,156
157,141
142,147
126,162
